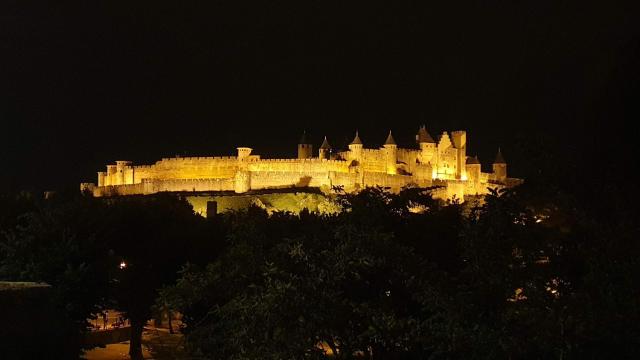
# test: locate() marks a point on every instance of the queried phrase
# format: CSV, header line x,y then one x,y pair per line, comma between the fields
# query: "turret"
x,y
459,139
121,168
423,136
110,177
473,168
391,154
427,145
355,148
445,158
101,177
325,150
305,149
243,153
242,179
500,167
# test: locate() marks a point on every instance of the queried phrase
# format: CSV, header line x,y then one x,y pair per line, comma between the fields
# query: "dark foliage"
x,y
520,276
77,244
532,272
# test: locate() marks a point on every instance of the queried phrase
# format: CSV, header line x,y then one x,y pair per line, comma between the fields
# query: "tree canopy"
x,y
528,272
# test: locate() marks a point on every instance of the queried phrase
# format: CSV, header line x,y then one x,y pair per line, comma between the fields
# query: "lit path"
x,y
118,351
157,344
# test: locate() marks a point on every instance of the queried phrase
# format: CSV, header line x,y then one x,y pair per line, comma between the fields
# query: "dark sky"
x,y
86,83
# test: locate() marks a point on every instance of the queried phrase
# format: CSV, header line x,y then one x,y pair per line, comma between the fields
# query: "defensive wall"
x,y
443,163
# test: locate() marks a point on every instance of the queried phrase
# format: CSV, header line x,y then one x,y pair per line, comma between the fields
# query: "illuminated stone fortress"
x,y
443,164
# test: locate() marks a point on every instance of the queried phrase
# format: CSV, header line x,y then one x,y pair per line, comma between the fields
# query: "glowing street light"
x,y
123,264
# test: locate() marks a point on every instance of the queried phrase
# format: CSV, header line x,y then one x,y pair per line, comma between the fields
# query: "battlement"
x,y
303,161
371,151
442,163
200,158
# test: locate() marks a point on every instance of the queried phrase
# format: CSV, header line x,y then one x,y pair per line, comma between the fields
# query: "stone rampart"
x,y
373,160
117,190
394,182
391,167
285,179
349,181
187,168
181,185
450,189
299,165
152,186
199,158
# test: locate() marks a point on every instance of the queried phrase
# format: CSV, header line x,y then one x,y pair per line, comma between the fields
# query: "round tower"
x,y
101,177
305,149
473,168
121,167
242,181
355,148
500,167
244,152
325,149
391,154
110,177
459,139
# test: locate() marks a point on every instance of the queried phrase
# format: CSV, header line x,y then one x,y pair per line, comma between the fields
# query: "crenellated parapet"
x,y
197,158
442,163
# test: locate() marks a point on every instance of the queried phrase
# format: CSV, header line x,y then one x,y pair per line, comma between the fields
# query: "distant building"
x,y
443,163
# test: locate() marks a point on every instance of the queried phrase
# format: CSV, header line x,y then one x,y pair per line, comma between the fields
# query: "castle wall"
x,y
223,174
348,181
299,165
447,163
473,172
114,190
475,188
442,164
408,157
128,175
373,160
189,185
345,155
394,182
428,153
288,179
175,168
152,186
144,172
423,174
500,172
451,189
196,168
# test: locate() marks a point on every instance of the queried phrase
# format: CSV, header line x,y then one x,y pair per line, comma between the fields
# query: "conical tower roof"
x,y
304,139
423,135
390,140
499,158
325,144
472,160
356,140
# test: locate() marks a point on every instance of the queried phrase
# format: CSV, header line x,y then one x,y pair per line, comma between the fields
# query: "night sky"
x,y
85,83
